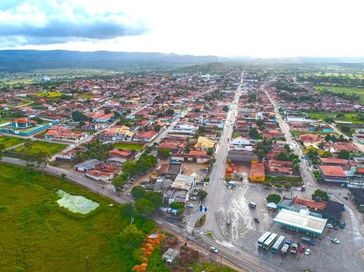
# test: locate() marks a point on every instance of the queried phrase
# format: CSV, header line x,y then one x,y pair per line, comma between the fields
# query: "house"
x,y
198,156
331,173
280,167
118,133
145,136
103,172
86,165
257,172
184,129
309,138
170,255
121,153
241,156
59,133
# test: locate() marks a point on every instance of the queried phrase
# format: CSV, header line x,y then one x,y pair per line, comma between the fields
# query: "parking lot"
x,y
236,221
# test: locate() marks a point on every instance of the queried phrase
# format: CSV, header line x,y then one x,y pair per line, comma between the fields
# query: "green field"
x,y
37,235
348,117
346,90
49,94
9,141
128,146
37,146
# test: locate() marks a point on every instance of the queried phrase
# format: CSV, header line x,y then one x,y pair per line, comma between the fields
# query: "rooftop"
x,y
301,220
335,171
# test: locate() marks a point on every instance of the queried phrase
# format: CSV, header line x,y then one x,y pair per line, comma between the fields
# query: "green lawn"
x,y
37,146
211,267
348,117
9,141
129,146
347,90
36,235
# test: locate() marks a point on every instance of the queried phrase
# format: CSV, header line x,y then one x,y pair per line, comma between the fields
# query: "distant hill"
x,y
30,60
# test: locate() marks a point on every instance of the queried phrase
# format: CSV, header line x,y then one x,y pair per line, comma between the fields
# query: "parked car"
x,y
214,249
329,226
302,249
294,248
189,205
256,220
335,240
252,205
307,251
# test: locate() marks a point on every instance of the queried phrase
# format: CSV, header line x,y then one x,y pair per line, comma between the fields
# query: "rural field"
x,y
37,146
9,141
348,116
346,90
37,235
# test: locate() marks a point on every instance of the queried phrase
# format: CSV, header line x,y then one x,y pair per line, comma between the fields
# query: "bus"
x,y
278,244
262,238
270,241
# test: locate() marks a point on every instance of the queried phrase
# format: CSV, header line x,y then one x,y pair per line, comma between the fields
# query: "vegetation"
x,y
35,147
330,117
211,267
200,222
344,154
350,93
274,198
9,141
202,194
323,195
263,147
78,116
253,133
129,146
41,236
164,153
95,150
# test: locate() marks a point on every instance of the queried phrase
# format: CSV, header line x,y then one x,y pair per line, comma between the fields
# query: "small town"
x,y
181,136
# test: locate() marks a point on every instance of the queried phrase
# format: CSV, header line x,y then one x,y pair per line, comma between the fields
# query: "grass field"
x,y
9,141
348,117
49,94
37,146
129,146
37,235
347,90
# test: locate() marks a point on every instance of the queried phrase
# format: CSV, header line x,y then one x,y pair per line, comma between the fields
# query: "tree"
x,y
170,112
253,133
210,151
120,179
329,120
157,128
144,206
128,211
164,153
131,237
202,194
155,198
138,192
225,108
41,159
344,154
274,198
107,111
323,195
78,116
282,156
260,123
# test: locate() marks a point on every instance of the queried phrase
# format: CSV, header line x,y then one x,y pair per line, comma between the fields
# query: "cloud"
x,y
59,21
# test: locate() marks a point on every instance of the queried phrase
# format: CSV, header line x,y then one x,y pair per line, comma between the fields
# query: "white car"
x,y
336,241
214,249
329,226
307,251
189,205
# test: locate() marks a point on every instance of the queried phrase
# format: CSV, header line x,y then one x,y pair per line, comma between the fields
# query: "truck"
x,y
308,241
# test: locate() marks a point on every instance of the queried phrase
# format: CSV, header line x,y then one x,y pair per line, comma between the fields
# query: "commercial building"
x,y
301,222
333,174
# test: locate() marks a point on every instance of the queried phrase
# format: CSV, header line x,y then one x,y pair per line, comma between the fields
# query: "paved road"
x,y
305,171
216,186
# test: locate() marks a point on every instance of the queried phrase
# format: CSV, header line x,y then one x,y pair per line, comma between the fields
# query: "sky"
x,y
255,28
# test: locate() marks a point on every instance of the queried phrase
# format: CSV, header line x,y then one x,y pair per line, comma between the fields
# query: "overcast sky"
x,y
258,28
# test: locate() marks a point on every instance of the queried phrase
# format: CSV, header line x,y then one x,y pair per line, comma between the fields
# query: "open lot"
x,y
36,146
9,141
346,90
348,116
129,146
37,235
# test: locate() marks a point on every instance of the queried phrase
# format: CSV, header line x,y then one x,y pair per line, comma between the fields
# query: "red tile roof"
x,y
309,203
334,161
335,171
